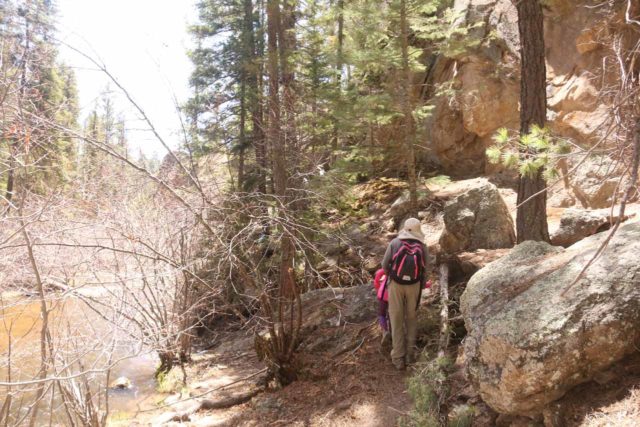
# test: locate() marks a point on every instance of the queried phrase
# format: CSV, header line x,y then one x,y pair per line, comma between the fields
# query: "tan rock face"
x,y
486,82
461,153
486,90
578,93
527,344
487,102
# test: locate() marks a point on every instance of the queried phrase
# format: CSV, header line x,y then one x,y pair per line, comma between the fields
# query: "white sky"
x,y
143,43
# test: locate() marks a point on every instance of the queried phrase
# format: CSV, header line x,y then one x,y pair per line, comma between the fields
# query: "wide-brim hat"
x,y
412,229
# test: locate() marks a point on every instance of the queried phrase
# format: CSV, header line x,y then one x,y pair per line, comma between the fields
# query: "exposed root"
x,y
208,405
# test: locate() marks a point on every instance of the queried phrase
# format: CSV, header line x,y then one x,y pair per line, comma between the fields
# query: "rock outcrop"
x,y
477,219
576,224
487,88
336,306
484,79
527,343
595,184
463,265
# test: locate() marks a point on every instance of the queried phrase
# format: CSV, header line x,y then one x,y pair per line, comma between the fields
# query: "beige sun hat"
x,y
411,230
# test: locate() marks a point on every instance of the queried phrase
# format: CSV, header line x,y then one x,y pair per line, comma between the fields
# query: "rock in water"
x,y
121,383
576,224
527,345
477,219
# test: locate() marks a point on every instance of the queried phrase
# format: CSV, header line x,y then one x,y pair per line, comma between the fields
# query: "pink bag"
x,y
380,283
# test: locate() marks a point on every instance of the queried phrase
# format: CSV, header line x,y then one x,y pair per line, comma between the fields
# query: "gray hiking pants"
x,y
403,303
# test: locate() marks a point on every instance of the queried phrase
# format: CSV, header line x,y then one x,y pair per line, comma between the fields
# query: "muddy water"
x,y
75,330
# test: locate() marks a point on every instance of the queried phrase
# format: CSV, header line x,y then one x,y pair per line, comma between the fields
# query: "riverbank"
x,y
346,380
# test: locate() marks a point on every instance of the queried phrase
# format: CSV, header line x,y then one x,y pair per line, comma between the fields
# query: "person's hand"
x,y
428,284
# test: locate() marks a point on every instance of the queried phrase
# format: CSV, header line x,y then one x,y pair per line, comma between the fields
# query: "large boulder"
x,y
463,265
477,219
595,184
337,306
400,209
576,224
527,343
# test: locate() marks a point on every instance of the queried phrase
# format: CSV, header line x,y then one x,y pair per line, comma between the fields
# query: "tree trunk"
x,y
273,132
335,139
287,45
166,363
242,135
14,148
408,133
254,80
531,219
10,179
445,328
288,140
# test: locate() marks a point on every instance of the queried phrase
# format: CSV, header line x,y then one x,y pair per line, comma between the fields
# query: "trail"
x,y
359,387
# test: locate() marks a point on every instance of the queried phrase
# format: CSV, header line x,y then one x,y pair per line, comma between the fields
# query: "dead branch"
x,y
445,329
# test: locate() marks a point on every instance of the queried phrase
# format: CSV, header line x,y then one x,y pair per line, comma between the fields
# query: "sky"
x,y
143,43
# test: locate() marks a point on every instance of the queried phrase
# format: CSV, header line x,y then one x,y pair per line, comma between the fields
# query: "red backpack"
x,y
407,264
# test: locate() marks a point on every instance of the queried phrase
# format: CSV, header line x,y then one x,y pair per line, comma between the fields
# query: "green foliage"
x,y
502,136
221,79
446,28
438,180
347,82
461,416
426,387
169,382
354,164
530,153
423,112
35,83
494,154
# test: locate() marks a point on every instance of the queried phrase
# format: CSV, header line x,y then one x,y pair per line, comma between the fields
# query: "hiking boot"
x,y
410,359
386,340
399,364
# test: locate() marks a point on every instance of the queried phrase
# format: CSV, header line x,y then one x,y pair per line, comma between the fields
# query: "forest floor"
x,y
358,387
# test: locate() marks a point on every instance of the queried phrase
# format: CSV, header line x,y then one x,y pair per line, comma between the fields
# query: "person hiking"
x,y
405,263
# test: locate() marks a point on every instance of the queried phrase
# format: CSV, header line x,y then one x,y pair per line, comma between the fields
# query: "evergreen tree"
x,y
531,220
226,82
39,98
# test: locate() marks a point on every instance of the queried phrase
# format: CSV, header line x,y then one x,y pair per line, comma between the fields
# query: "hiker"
x,y
381,284
405,264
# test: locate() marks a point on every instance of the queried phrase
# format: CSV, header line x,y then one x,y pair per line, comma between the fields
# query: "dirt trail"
x,y
358,387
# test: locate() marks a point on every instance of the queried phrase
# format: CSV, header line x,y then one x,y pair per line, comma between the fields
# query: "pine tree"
x,y
37,91
531,220
227,84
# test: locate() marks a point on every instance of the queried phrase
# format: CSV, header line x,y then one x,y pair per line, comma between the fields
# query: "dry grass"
x,y
625,413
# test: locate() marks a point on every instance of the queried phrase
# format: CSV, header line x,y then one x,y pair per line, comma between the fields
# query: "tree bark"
x,y
335,139
10,178
242,134
273,132
288,140
277,142
287,45
254,80
531,219
408,133
445,328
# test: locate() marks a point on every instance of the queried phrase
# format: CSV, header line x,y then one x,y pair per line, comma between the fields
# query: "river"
x,y
75,330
